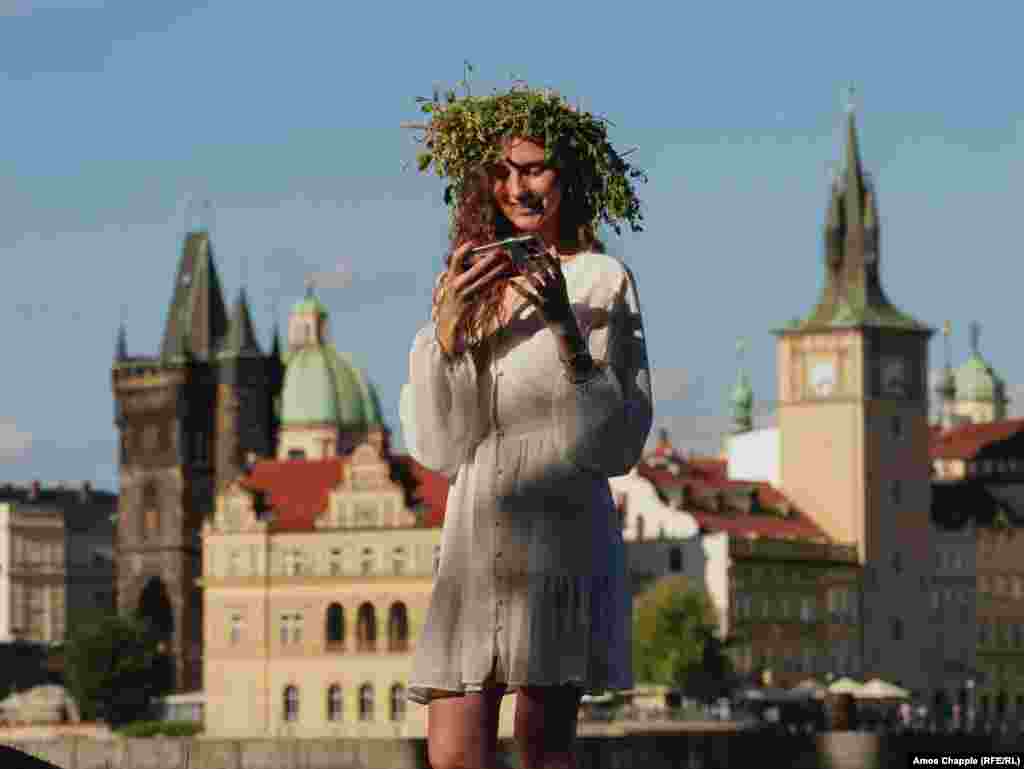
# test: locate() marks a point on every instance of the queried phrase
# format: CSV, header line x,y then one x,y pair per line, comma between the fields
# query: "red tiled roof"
x,y
296,489
707,476
966,440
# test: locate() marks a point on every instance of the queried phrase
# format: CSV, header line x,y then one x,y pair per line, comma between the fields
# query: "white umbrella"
x,y
877,689
845,686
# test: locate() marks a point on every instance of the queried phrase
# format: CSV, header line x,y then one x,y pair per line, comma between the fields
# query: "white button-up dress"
x,y
531,582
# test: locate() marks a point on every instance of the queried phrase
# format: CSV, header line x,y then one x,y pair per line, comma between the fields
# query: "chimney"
x,y
33,492
85,493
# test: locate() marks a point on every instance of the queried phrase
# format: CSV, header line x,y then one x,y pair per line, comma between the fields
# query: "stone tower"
x,y
186,419
853,426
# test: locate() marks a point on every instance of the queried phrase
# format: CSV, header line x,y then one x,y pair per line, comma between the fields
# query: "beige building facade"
x,y
56,557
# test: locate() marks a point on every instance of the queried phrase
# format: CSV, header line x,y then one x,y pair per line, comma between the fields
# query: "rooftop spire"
x,y
121,350
240,341
853,295
742,399
197,319
975,331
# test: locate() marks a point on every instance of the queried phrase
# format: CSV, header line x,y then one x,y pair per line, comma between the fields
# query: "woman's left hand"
x,y
550,296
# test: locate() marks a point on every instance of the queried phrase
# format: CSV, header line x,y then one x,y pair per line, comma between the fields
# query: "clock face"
x,y
894,377
823,378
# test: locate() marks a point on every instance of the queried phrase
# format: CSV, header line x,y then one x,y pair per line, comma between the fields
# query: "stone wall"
x,y
835,750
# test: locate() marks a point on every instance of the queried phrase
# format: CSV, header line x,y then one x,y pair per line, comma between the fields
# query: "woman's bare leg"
x,y
545,729
462,732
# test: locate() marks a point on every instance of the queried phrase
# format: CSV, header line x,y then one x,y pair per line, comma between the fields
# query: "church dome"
x,y
323,386
310,392
977,381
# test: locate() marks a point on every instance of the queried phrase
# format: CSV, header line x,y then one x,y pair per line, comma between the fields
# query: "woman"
x,y
528,390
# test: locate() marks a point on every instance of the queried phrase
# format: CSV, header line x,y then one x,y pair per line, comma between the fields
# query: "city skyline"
x,y
116,127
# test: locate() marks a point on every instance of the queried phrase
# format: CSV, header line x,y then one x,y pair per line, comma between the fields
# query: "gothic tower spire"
x,y
853,295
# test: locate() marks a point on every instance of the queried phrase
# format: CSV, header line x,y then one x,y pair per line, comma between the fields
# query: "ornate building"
x,y
318,564
188,419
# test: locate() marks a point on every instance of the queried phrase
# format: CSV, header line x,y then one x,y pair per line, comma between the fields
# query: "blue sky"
x,y
286,115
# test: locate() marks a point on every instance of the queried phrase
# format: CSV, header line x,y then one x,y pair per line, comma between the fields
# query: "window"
x,y
897,562
367,561
366,629
983,634
366,702
335,626
235,633
397,702
639,528
234,563
335,561
334,703
675,560
398,560
398,628
437,559
291,628
296,454
291,703
896,426
896,492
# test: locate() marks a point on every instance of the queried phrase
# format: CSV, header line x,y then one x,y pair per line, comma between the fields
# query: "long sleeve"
x,y
439,407
603,423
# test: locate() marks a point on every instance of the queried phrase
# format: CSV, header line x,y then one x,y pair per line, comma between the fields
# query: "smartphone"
x,y
521,250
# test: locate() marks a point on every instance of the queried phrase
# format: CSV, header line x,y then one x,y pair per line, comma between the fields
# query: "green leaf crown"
x,y
464,135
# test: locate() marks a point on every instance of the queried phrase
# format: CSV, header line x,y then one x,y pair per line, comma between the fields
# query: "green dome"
x,y
324,386
742,393
976,381
310,392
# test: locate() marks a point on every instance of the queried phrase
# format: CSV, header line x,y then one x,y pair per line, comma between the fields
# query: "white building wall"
x,y
716,576
754,456
641,502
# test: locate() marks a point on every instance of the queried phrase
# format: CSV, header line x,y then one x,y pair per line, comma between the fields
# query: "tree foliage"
x,y
676,642
112,667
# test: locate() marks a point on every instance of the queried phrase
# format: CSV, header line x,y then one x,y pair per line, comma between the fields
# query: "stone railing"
x,y
651,748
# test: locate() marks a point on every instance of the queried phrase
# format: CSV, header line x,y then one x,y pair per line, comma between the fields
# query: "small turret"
x,y
121,349
742,397
945,388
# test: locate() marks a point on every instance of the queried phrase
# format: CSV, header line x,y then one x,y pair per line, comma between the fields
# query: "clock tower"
x,y
853,427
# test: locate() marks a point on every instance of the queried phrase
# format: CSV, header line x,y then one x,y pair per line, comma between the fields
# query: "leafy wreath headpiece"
x,y
464,134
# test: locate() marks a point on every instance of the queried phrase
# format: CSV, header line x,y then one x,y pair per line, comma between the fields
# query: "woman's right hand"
x,y
457,291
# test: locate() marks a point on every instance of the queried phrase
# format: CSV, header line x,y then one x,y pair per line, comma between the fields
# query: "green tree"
x,y
675,640
112,667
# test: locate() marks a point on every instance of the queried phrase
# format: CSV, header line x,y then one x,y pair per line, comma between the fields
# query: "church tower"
x,y
853,426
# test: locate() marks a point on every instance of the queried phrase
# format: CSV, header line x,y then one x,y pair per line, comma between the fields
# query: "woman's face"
x,y
527,191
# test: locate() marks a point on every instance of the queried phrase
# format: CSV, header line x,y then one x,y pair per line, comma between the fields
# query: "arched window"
x,y
639,528
291,703
675,559
334,703
151,508
366,702
335,626
366,629
398,628
397,702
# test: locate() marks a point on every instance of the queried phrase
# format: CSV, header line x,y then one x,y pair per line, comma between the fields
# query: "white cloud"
x,y
14,443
